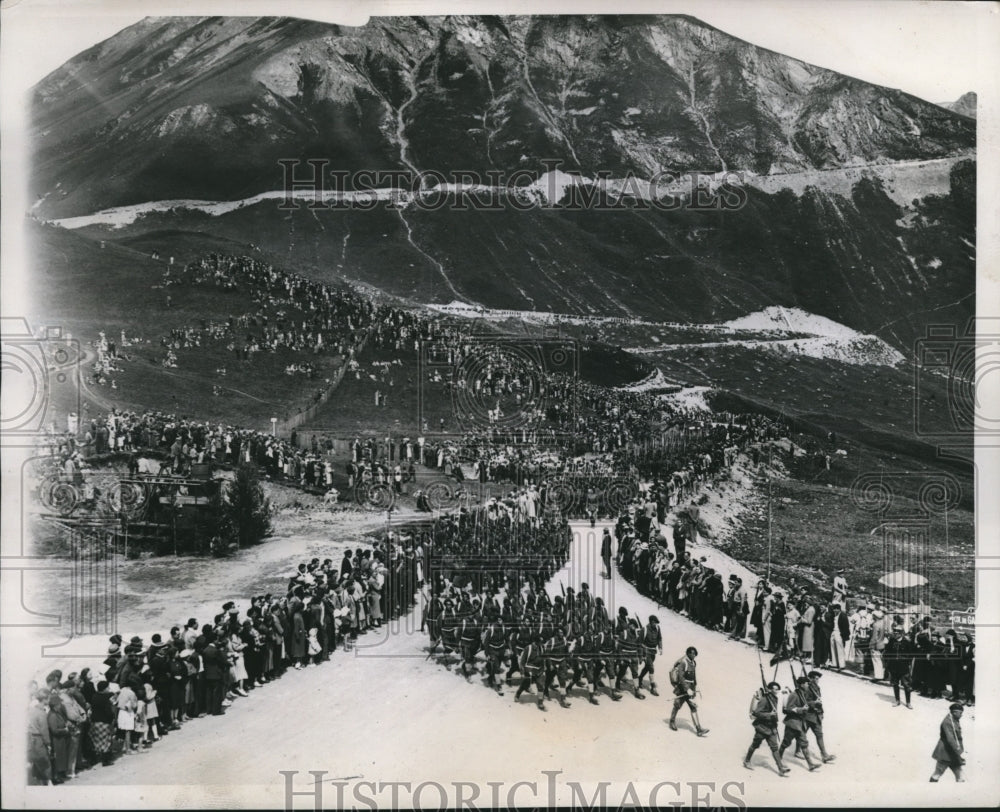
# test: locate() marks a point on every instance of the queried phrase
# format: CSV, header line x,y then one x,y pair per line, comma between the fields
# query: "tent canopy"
x,y
901,579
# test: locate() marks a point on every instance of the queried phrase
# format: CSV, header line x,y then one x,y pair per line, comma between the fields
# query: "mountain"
x,y
858,200
965,105
204,108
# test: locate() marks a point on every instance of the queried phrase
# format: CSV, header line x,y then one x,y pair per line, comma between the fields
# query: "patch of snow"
x,y
653,381
690,397
792,320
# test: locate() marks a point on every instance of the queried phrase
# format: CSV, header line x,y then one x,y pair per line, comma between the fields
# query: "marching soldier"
x,y
449,628
652,642
584,661
495,644
555,654
764,712
532,670
684,678
630,645
813,716
469,636
519,640
795,724
607,661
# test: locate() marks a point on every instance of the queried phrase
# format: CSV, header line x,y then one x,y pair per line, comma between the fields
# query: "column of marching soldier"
x,y
571,639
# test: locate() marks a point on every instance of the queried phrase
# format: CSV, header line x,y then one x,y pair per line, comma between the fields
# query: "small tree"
x,y
242,512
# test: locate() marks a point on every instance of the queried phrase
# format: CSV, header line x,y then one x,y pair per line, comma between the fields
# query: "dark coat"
x,y
216,665
795,708
949,748
297,645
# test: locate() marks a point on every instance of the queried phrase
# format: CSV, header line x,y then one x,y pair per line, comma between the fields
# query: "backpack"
x,y
759,694
677,673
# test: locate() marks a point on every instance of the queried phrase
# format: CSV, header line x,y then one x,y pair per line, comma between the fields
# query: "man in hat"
x,y
684,678
606,552
840,632
949,753
876,643
898,656
764,713
796,706
813,716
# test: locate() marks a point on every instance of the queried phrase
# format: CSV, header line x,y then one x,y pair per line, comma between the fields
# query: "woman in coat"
x,y
777,641
821,633
60,733
102,723
297,648
375,581
807,643
39,739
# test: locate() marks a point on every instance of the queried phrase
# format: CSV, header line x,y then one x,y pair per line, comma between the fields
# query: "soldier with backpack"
x,y
764,713
796,707
652,642
685,681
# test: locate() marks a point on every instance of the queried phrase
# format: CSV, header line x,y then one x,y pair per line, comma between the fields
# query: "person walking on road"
x,y
684,678
796,707
764,713
950,751
606,552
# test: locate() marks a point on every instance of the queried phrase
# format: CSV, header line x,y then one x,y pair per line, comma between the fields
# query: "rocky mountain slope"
x,y
964,105
859,200
204,108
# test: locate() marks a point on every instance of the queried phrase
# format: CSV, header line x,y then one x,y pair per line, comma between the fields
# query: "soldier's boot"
x,y
807,754
563,702
673,720
746,759
593,699
639,694
827,757
701,731
541,701
616,694
652,688
782,769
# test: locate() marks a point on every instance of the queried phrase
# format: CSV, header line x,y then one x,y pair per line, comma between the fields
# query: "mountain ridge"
x,y
625,94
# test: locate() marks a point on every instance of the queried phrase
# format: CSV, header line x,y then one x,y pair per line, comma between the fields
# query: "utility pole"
x,y
770,450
